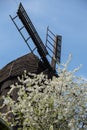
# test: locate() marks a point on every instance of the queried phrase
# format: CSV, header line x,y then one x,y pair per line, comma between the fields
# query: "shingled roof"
x,y
28,62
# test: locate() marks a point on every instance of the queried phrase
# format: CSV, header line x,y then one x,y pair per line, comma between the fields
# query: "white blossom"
x,y
44,104
6,101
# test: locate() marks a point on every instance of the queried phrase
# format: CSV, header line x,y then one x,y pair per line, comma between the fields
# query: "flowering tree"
x,y
45,104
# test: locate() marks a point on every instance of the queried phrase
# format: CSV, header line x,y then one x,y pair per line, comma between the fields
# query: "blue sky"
x,y
64,17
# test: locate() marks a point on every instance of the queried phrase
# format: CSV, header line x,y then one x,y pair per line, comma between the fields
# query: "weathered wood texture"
x,y
29,62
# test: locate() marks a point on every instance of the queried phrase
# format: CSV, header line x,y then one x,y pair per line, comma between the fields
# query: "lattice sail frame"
x,y
53,45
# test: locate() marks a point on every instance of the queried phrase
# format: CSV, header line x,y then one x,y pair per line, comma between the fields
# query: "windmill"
x,y
49,53
52,49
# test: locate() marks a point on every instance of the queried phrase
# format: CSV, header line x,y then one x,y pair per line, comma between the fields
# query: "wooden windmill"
x,y
49,54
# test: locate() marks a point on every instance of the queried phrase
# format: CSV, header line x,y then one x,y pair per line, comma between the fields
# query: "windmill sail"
x,y
33,33
53,44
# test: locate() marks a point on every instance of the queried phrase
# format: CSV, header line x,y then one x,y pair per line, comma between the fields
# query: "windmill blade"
x,y
53,44
31,30
58,48
56,51
34,35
